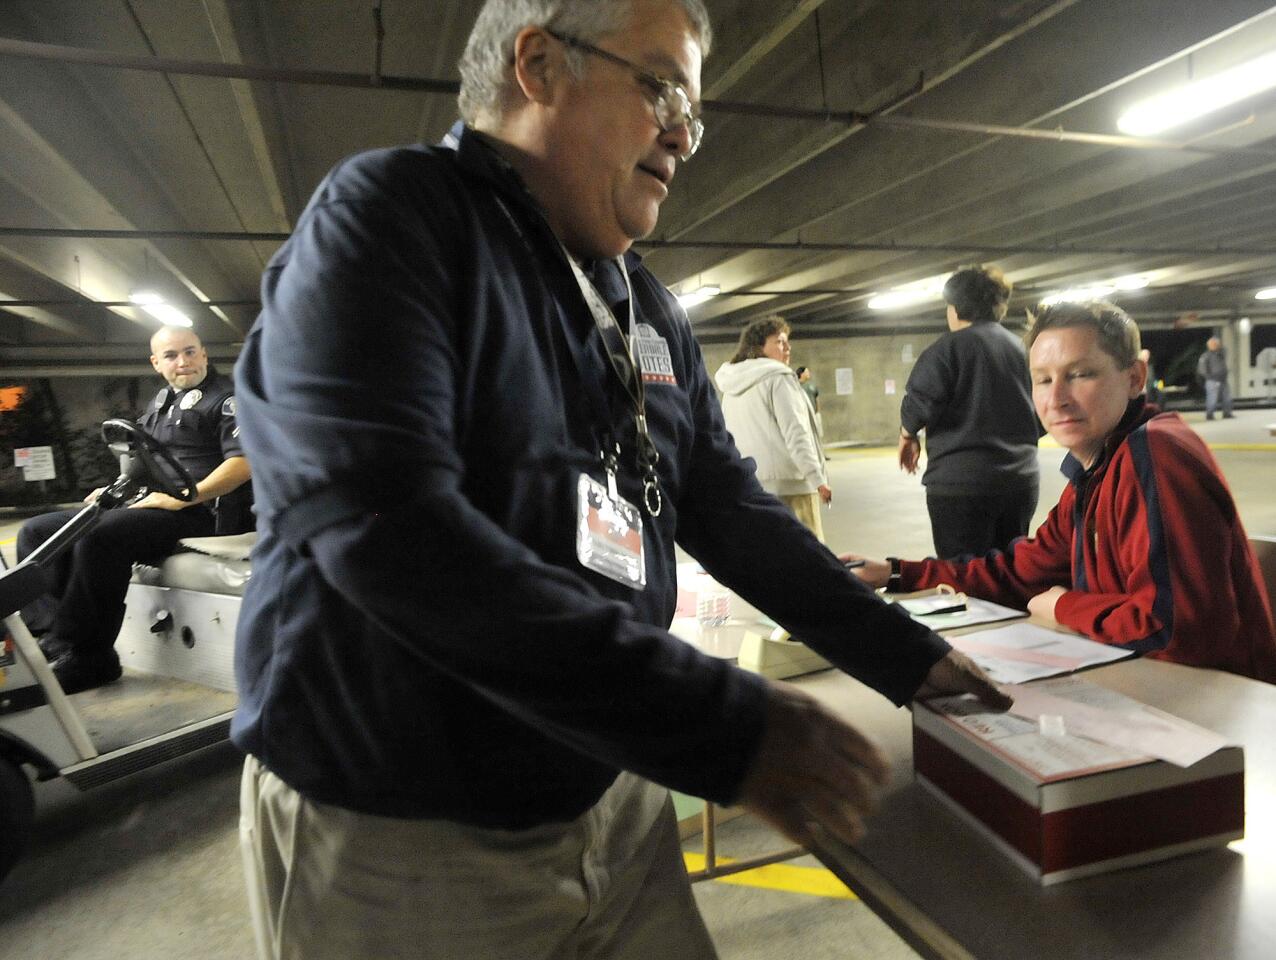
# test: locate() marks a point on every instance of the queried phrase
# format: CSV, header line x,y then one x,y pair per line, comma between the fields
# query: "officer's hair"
x,y
487,76
1118,334
171,328
754,337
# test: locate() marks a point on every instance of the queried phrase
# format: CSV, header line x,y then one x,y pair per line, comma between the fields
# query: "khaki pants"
x,y
325,883
807,508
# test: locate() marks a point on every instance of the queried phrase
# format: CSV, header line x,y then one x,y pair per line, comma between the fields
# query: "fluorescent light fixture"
x,y
1266,294
153,303
909,294
1133,281
1077,294
1192,100
698,296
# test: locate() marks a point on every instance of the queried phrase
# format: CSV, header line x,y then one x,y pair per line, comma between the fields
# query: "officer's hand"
x,y
93,495
159,501
957,673
811,770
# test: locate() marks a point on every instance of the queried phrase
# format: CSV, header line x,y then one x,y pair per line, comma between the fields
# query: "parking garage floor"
x,y
149,868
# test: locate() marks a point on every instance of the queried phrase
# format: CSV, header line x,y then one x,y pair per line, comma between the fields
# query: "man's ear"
x,y
537,61
1138,377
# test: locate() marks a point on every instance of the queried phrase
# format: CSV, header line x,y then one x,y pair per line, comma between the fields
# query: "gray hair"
x,y
485,64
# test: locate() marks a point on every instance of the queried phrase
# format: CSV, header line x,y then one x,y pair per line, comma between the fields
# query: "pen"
x,y
854,564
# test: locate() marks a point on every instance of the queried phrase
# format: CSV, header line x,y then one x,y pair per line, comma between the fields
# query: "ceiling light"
x,y
1077,294
1134,281
1267,294
697,296
153,303
1192,100
909,294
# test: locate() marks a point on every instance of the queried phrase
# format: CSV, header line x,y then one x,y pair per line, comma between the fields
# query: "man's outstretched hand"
x,y
957,673
812,771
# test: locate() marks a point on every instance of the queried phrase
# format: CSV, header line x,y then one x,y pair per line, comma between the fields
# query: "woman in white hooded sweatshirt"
x,y
772,421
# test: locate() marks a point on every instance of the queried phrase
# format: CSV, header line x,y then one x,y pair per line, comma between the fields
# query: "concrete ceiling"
x,y
909,137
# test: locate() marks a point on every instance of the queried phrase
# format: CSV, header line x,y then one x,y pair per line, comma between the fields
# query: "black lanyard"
x,y
616,346
620,359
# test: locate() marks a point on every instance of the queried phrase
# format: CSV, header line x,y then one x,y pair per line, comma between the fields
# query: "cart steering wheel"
x,y
163,471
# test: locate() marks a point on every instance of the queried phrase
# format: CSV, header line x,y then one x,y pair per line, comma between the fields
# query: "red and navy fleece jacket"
x,y
1150,545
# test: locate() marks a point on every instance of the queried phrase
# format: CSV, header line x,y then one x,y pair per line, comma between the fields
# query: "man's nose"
x,y
677,140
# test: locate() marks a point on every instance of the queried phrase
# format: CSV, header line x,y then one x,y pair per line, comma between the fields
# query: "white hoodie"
x,y
772,420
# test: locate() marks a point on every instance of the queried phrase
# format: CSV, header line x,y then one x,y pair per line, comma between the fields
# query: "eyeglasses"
x,y
672,105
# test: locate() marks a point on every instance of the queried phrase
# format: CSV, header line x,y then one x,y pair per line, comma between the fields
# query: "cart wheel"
x,y
17,810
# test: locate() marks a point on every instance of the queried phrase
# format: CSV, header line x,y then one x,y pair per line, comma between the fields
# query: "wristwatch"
x,y
895,582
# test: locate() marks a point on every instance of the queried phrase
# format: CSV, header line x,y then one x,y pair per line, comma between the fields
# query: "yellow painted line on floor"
x,y
812,881
5,543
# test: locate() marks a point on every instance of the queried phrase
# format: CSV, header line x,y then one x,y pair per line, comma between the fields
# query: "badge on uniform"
x,y
609,534
191,399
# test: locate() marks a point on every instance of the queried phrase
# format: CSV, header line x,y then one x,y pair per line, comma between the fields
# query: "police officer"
x,y
194,415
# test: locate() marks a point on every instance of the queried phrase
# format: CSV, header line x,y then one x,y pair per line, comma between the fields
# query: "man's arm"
x,y
227,476
1012,577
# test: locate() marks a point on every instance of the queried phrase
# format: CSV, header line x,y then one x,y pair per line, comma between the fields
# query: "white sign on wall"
x,y
890,388
845,381
36,462
906,355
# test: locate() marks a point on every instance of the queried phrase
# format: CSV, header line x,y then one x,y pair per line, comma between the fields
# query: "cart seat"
x,y
206,564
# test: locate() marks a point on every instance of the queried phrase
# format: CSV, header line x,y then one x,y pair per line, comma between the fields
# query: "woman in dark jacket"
x,y
970,393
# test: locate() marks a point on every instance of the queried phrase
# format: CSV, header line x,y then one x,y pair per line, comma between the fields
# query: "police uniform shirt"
x,y
197,424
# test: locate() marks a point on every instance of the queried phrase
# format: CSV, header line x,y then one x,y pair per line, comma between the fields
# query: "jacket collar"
x,y
1137,413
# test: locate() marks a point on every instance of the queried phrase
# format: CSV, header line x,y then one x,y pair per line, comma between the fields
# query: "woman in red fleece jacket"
x,y
1145,549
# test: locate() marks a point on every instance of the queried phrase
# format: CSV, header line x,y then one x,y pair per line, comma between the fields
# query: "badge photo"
x,y
609,534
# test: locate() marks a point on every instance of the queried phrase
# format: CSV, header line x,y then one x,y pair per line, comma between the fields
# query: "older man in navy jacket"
x,y
478,426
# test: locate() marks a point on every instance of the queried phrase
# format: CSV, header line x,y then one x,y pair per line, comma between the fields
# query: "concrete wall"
x,y
877,365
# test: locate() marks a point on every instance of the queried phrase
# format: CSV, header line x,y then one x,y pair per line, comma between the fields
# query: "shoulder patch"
x,y
228,406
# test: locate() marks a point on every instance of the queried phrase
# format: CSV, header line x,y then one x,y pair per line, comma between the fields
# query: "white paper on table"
x,y
1046,756
1119,721
977,611
1019,652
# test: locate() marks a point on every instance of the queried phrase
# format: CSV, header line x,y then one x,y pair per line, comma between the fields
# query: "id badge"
x,y
609,534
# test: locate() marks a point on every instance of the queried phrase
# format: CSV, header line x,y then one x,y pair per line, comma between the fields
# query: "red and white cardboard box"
x,y
1064,806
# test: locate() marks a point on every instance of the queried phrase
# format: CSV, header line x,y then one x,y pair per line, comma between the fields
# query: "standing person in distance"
x,y
1211,368
969,392
772,421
